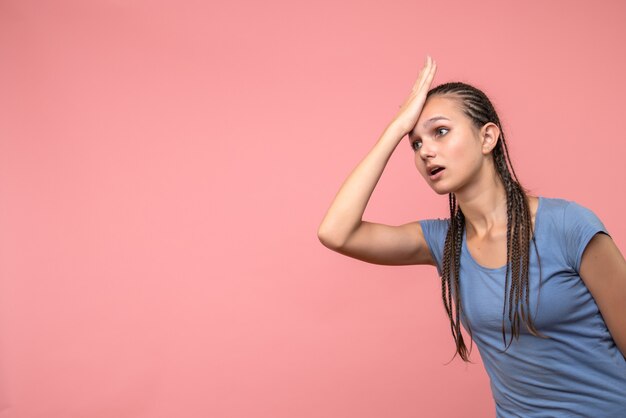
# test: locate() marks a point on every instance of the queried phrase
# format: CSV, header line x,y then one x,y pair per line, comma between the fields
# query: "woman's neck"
x,y
484,208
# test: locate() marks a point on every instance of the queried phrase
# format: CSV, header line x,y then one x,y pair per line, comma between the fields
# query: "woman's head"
x,y
460,131
475,117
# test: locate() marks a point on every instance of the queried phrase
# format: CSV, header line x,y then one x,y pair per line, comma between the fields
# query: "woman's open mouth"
x,y
436,173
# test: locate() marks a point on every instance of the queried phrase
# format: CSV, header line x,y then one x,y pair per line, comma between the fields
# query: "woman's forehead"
x,y
438,108
447,106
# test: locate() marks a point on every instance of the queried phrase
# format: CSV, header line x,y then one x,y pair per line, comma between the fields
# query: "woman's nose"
x,y
427,150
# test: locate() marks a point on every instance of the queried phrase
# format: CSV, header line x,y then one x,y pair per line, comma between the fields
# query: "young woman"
x,y
536,282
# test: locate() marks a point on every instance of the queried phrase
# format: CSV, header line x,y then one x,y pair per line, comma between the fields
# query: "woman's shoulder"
x,y
435,226
560,207
434,231
566,213
561,204
555,202
574,224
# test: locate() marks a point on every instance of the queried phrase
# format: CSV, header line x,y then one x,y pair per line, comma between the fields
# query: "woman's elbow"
x,y
329,238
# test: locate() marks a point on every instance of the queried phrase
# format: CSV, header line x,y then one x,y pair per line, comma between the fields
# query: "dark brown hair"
x,y
479,109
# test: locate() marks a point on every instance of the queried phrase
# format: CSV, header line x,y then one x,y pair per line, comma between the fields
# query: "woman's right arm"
x,y
343,229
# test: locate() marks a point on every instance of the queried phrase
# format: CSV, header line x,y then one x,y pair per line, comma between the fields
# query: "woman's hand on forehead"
x,y
410,110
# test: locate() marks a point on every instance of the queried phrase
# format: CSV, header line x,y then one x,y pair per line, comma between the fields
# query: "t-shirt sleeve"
x,y
435,231
580,225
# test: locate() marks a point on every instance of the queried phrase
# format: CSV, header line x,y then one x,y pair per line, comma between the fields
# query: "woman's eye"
x,y
442,129
416,145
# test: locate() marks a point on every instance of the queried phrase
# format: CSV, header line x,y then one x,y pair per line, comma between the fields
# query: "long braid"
x,y
457,272
448,256
451,268
519,232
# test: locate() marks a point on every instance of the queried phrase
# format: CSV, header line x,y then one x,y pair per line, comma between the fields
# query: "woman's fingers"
x,y
423,72
426,77
412,107
431,75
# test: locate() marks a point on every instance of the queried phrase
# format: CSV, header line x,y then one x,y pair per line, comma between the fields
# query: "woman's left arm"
x,y
603,270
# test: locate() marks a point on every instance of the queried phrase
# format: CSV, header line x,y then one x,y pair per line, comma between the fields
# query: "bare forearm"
x,y
346,211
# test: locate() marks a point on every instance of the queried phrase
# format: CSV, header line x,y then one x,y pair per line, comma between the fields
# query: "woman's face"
x,y
444,137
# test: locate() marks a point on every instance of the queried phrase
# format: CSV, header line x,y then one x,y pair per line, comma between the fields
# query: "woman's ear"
x,y
490,133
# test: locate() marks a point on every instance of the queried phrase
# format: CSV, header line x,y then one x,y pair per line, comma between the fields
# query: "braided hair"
x,y
479,109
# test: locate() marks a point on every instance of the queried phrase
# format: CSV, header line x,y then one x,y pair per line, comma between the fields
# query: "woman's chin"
x,y
437,188
440,191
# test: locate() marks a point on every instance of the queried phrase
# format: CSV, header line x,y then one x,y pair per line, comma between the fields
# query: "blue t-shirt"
x,y
578,371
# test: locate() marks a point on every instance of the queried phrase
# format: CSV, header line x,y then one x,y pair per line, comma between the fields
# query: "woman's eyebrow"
x,y
434,119
428,122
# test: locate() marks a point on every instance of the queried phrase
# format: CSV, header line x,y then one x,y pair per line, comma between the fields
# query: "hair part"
x,y
479,109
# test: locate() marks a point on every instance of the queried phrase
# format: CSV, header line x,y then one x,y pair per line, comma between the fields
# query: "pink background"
x,y
165,166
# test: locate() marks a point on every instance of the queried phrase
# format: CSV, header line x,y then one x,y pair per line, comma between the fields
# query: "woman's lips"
x,y
436,173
